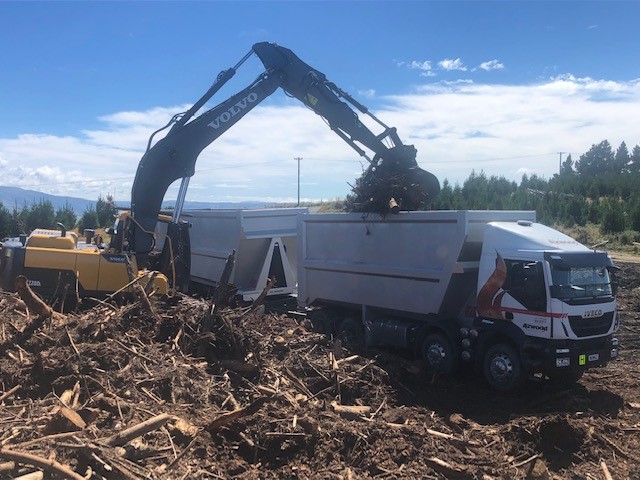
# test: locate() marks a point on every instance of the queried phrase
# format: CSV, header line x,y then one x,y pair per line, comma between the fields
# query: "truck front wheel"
x,y
502,367
438,354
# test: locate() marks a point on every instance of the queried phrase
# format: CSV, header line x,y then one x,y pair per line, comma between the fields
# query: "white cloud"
x,y
415,65
370,93
449,64
456,127
424,67
563,114
491,65
458,81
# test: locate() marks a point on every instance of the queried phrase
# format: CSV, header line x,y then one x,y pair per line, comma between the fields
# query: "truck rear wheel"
x,y
323,321
351,333
438,354
502,367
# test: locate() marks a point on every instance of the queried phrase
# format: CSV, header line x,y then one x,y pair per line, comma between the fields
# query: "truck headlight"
x,y
563,362
614,353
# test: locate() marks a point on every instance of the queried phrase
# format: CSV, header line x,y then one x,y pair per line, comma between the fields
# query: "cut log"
x,y
136,431
237,414
9,393
32,301
447,469
7,466
353,410
39,475
605,471
260,300
51,466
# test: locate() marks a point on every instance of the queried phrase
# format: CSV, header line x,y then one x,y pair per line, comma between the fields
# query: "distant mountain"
x,y
14,196
11,197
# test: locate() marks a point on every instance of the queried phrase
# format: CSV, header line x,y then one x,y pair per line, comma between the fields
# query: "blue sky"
x,y
493,86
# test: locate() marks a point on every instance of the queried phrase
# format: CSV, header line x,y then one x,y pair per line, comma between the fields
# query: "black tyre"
x,y
502,367
438,354
351,334
323,321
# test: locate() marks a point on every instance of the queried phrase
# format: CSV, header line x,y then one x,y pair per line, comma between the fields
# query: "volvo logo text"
x,y
224,117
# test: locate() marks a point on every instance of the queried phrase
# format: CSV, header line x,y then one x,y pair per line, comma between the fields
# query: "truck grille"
x,y
587,327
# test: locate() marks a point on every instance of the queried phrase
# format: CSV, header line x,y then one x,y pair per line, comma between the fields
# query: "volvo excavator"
x,y
54,261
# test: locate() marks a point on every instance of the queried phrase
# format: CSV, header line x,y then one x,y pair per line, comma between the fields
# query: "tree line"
x,y
601,187
42,214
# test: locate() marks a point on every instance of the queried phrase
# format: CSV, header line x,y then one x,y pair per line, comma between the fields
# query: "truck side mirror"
x,y
614,282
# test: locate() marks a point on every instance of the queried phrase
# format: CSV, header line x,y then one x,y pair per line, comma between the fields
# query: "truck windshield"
x,y
580,282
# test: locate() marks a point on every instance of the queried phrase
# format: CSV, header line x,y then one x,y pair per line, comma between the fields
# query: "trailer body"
x,y
493,288
264,241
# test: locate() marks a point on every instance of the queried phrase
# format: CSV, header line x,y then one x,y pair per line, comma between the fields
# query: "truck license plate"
x,y
593,357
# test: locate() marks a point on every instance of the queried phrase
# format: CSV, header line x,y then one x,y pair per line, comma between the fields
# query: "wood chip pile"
x,y
182,392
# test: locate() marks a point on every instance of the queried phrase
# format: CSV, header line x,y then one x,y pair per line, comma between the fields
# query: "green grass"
x,y
591,234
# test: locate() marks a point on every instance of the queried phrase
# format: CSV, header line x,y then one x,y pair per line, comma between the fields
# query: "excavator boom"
x,y
392,174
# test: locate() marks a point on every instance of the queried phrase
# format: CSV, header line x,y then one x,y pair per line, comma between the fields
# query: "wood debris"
x,y
115,392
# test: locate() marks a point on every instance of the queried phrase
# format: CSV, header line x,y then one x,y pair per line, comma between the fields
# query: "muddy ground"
x,y
238,395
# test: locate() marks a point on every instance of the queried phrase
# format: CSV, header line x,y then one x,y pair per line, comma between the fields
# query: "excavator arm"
x,y
312,88
392,172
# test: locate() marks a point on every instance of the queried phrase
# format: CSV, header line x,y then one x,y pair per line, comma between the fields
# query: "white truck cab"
x,y
551,295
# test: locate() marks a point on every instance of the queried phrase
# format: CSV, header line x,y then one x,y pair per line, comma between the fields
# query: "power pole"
x,y
560,164
298,160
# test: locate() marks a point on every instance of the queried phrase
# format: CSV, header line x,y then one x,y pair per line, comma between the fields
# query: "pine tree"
x,y
566,167
622,159
5,222
41,215
66,216
105,210
598,160
634,166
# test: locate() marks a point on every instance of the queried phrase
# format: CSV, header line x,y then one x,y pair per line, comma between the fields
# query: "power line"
x,y
454,161
496,159
77,182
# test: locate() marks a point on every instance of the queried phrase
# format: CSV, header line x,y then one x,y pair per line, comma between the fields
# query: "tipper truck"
x,y
488,290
